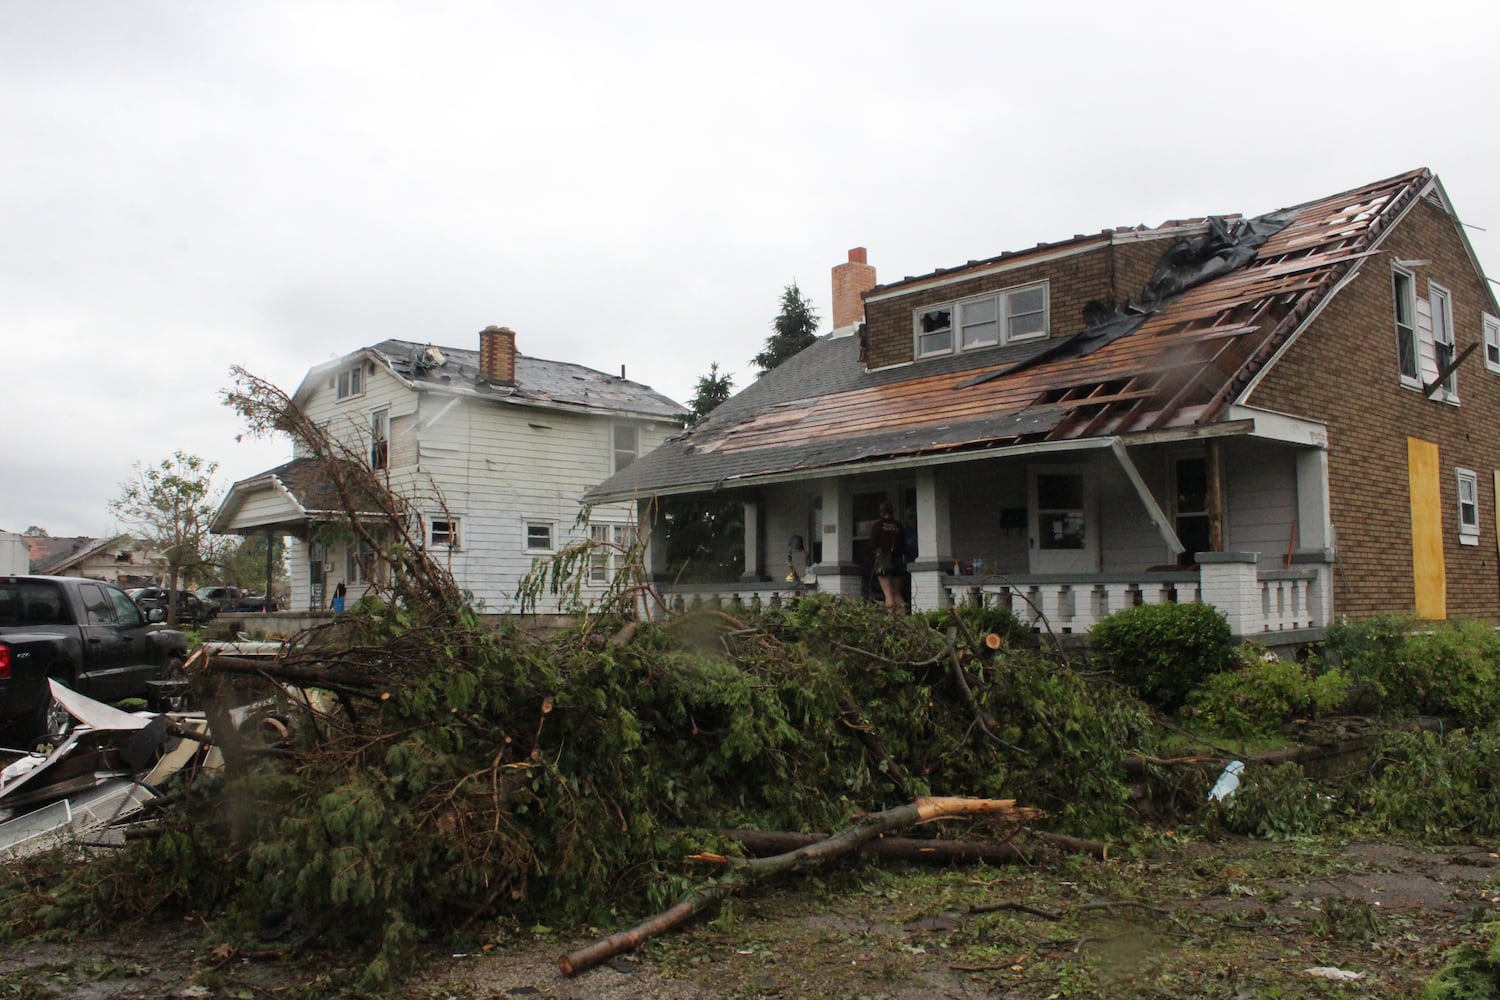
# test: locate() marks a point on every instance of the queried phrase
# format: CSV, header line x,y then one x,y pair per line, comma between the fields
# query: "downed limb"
x,y
762,842
743,873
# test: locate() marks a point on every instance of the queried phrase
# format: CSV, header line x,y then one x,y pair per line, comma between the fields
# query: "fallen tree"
x,y
744,872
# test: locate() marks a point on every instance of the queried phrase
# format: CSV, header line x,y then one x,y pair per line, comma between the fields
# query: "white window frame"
x,y
1404,296
945,328
607,553
616,452
1491,342
350,382
1440,301
380,438
443,531
1468,507
359,562
530,527
934,323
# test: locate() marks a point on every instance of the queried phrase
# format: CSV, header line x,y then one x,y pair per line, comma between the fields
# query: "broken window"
x,y
1443,348
1001,317
1468,507
935,332
1406,326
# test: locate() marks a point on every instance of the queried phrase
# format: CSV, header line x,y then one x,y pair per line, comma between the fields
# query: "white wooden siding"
x,y
492,466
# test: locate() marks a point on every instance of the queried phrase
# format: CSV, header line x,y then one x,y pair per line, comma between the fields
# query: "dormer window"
x,y
351,381
1007,316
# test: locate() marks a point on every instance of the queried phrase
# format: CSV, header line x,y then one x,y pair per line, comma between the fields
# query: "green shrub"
x,y
1277,803
1265,693
1450,671
1435,784
1163,651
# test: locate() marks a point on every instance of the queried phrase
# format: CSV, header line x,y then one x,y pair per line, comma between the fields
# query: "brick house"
x,y
492,448
1290,416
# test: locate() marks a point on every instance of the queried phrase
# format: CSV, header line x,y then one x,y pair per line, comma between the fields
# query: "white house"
x,y
494,449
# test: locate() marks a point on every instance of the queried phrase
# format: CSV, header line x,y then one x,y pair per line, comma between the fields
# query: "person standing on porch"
x,y
888,549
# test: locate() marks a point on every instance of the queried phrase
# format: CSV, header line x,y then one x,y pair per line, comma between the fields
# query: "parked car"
x,y
223,597
192,610
88,635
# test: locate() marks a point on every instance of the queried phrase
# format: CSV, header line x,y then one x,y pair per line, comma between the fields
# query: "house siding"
x,y
1342,370
491,466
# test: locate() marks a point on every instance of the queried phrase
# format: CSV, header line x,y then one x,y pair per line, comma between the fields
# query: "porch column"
x,y
1230,582
1314,525
837,572
934,543
652,530
753,572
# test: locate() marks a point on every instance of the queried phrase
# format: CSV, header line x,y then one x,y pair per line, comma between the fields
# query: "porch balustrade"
x,y
1258,603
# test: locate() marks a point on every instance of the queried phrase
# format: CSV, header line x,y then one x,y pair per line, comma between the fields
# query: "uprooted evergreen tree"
x,y
456,776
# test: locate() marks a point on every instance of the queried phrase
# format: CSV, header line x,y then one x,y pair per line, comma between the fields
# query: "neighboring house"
x,y
1290,417
119,559
493,449
15,557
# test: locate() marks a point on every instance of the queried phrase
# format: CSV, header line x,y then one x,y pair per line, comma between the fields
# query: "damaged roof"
x,y
538,382
1219,307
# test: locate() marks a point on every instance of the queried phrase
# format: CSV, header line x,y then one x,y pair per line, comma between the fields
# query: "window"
x,y
935,332
1406,326
1468,507
611,544
1003,317
1061,515
359,562
627,444
96,604
980,324
380,438
1491,343
1443,348
444,532
1191,507
351,381
538,536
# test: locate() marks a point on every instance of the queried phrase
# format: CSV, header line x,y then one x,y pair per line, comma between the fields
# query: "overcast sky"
x,y
187,186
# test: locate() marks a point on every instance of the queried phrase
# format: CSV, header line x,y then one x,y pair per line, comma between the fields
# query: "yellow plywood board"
x,y
1429,574
1497,512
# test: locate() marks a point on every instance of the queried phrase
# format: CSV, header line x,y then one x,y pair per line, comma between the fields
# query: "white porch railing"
x,y
1257,603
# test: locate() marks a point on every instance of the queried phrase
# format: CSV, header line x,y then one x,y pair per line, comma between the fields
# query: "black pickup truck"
x,y
88,635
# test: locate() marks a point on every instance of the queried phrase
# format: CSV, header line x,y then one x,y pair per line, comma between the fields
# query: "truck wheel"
x,y
51,723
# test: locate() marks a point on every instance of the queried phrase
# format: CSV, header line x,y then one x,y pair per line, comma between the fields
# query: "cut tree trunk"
x,y
743,873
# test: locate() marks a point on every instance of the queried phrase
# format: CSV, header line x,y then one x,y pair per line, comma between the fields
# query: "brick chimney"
x,y
497,354
850,281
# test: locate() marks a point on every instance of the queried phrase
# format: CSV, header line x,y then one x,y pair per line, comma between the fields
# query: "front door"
x,y
1064,520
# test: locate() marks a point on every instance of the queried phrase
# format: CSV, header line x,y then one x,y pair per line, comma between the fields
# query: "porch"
x,y
1267,605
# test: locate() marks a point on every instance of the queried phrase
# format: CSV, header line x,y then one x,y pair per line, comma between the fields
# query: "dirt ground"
x,y
1232,919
